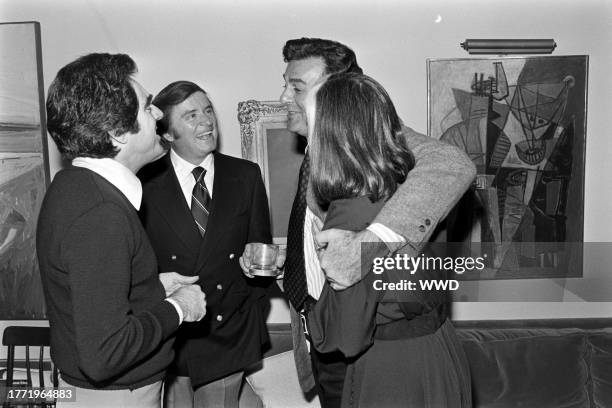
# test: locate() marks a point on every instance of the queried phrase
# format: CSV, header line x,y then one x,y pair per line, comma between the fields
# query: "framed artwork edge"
x,y
579,131
255,119
33,309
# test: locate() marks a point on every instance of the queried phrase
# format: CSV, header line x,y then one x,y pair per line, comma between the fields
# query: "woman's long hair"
x,y
357,147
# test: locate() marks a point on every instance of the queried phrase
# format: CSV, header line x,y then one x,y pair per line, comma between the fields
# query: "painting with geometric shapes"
x,y
24,169
522,122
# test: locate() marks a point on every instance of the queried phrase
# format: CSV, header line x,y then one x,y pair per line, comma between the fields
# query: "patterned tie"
x,y
200,200
295,271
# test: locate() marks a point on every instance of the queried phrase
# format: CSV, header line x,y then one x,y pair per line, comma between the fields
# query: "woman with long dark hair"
x,y
400,344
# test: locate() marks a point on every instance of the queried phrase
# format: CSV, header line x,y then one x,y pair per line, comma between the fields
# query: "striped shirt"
x,y
315,278
314,274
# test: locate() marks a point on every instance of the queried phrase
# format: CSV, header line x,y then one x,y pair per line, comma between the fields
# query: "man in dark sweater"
x,y
111,315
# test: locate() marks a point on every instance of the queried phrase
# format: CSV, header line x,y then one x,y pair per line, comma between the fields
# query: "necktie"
x,y
200,200
295,272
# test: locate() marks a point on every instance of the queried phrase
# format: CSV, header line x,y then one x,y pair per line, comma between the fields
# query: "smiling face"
x,y
300,76
192,128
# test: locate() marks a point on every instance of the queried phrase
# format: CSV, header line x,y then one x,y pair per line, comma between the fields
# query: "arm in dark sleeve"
x,y
259,221
97,253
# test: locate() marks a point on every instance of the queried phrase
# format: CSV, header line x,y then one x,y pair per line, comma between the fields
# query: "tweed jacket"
x,y
441,175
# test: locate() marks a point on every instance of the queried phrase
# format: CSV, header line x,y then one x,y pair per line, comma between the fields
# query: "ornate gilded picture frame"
x,y
279,152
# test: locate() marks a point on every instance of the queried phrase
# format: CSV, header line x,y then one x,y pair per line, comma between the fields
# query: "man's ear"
x,y
118,139
168,137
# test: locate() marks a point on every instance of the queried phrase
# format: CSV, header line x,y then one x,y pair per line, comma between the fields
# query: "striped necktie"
x,y
200,200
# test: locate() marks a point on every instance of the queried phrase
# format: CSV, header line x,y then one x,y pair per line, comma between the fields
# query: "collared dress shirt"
x,y
183,170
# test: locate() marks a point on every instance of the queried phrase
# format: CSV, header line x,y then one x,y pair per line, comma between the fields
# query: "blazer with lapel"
x,y
233,333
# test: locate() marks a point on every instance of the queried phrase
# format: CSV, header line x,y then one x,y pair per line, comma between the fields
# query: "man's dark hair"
x,y
338,57
89,98
168,97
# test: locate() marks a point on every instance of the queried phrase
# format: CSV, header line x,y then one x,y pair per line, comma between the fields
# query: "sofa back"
x,y
527,363
539,363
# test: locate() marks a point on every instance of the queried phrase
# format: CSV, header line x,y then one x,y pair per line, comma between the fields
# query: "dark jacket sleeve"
x,y
259,221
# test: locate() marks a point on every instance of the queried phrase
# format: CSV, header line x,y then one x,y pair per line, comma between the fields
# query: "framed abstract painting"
x,y
24,169
522,121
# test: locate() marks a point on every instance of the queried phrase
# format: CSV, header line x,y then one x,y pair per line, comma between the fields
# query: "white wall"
x,y
233,49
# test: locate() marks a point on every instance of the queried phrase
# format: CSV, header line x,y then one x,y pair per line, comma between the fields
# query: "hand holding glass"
x,y
262,258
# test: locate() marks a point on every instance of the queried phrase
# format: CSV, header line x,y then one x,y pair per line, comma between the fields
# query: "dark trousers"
x,y
329,371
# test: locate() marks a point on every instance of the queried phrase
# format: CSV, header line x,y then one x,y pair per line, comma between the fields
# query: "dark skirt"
x,y
430,371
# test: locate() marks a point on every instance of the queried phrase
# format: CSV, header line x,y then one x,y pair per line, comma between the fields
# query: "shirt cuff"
x,y
386,234
178,309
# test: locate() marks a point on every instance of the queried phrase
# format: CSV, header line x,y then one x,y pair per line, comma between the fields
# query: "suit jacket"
x,y
441,175
233,333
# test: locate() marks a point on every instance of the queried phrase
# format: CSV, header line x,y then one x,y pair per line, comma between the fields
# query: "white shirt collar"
x,y
116,174
183,168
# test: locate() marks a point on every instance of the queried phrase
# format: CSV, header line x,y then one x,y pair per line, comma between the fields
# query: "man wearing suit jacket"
x,y
441,175
200,209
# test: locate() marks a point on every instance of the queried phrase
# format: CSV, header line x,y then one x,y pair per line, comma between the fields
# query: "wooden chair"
x,y
21,336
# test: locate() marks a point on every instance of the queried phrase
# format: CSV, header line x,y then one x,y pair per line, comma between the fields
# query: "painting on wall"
x,y
522,121
279,152
24,169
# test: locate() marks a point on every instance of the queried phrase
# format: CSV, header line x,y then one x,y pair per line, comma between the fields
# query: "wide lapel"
x,y
226,192
169,199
